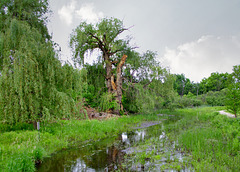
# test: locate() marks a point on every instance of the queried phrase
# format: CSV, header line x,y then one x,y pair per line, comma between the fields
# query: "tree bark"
x,y
115,88
119,82
109,72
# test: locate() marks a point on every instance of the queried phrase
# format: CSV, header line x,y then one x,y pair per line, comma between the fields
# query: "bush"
x,y
216,98
187,101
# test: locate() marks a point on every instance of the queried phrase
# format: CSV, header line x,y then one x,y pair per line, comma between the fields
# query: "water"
x,y
108,154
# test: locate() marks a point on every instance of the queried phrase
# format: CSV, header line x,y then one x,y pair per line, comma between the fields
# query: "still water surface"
x,y
103,155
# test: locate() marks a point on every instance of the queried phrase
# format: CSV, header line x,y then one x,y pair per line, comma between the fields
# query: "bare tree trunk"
x,y
119,82
115,88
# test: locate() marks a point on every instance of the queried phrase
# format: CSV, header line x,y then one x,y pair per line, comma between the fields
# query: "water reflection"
x,y
132,137
104,155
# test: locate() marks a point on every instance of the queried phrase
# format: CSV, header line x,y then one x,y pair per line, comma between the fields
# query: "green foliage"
x,y
19,150
147,86
103,36
95,84
95,76
217,98
34,85
129,100
183,85
211,138
34,12
107,102
21,162
233,100
187,101
216,82
38,154
145,100
18,126
233,94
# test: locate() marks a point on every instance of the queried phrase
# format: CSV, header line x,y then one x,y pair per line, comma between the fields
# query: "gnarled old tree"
x,y
105,37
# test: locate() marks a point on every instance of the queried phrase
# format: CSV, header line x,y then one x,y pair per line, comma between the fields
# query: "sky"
x,y
193,37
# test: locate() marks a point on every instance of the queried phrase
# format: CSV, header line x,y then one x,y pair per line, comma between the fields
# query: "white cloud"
x,y
198,59
87,13
66,12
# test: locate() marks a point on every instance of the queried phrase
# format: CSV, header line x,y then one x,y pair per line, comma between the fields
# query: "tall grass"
x,y
211,138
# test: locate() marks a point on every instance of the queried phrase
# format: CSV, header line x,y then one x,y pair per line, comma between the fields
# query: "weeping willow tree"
x,y
147,85
96,84
33,83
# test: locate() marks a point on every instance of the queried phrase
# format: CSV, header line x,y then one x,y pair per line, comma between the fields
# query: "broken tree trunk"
x,y
119,82
109,72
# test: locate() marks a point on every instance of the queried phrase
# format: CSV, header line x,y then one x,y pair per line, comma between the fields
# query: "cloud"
x,y
66,12
87,13
198,59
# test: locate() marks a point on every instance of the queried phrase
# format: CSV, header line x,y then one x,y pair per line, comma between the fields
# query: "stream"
x,y
123,153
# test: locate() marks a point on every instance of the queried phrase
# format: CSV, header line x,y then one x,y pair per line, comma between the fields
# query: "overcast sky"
x,y
194,37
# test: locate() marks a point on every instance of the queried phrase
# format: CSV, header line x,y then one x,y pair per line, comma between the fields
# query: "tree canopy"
x,y
104,36
34,12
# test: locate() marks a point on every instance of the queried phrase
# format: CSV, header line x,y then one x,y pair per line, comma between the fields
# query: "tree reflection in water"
x,y
103,155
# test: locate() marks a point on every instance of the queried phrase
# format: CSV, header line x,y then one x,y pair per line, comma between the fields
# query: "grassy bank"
x,y
21,146
208,140
212,139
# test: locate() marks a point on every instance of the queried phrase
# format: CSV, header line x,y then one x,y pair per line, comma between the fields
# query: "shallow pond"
x,y
125,152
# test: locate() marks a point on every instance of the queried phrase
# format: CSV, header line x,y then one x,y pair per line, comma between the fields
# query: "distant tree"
x,y
183,85
195,88
233,95
216,82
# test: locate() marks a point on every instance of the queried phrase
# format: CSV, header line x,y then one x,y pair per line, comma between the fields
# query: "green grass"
x,y
211,138
21,146
210,141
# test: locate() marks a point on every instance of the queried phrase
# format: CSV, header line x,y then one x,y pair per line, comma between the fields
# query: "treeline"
x,y
214,90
